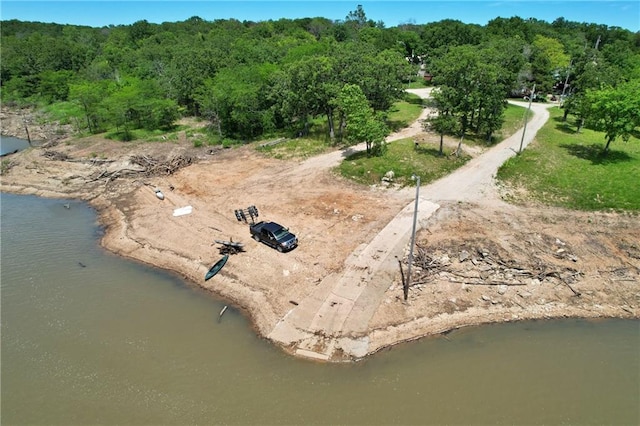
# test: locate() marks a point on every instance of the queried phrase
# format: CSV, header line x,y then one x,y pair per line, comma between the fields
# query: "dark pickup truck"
x,y
274,235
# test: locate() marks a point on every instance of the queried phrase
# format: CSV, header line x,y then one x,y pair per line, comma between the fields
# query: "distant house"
x,y
424,74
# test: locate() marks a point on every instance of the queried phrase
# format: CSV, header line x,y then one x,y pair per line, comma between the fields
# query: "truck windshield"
x,y
280,233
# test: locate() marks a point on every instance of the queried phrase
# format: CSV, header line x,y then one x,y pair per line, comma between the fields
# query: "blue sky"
x,y
625,14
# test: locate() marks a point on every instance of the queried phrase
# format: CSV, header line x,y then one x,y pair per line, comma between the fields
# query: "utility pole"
x,y
413,237
566,81
526,117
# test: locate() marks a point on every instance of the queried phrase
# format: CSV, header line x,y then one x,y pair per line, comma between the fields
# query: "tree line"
x,y
251,80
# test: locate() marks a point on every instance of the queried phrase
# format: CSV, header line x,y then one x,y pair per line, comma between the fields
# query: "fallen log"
x,y
507,283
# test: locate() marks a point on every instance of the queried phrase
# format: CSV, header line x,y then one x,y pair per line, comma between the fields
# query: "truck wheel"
x,y
280,249
256,237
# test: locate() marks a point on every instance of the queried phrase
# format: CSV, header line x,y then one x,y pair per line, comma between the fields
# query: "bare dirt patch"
x,y
478,264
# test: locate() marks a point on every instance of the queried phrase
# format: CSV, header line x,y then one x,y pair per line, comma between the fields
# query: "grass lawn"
x,y
404,112
513,120
404,160
417,84
296,148
568,169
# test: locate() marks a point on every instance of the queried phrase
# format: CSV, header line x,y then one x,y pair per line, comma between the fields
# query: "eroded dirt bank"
x,y
478,262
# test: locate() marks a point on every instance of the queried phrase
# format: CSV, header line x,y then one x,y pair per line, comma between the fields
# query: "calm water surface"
x,y
9,144
89,338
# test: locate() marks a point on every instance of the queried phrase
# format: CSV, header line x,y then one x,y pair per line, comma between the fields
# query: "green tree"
x,y
121,108
362,123
313,88
614,111
54,85
210,106
89,95
358,17
443,123
133,103
238,101
588,73
190,66
471,90
508,55
438,37
548,60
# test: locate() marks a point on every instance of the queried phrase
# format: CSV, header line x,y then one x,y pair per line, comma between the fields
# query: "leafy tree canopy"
x,y
250,79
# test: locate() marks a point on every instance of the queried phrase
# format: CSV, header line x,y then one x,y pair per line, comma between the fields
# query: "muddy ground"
x,y
475,263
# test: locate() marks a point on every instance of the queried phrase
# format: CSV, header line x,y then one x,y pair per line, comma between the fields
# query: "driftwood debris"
x,y
51,143
149,167
488,269
110,176
230,247
61,156
155,167
56,156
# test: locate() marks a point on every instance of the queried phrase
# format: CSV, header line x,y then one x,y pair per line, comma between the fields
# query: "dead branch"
x,y
507,283
56,156
51,143
154,167
576,293
115,174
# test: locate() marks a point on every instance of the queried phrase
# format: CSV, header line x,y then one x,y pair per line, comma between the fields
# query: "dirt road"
x,y
474,182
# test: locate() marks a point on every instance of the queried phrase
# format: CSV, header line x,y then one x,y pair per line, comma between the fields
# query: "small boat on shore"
x,y
216,267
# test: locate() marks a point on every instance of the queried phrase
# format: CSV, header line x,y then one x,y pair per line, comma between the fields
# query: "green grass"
x,y
404,160
568,169
5,165
295,148
513,120
418,83
199,137
404,112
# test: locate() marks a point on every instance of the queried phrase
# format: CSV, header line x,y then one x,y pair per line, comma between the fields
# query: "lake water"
x,y
9,144
90,338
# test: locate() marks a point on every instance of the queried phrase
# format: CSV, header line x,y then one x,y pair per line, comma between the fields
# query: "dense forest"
x,y
252,80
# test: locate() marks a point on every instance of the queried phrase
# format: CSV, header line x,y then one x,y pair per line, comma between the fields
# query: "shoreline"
x,y
257,307
295,299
